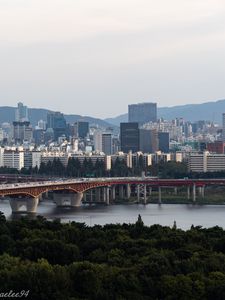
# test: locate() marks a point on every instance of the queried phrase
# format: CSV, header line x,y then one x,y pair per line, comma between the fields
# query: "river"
x,y
165,214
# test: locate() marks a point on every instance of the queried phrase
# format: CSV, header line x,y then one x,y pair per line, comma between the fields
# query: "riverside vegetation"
x,y
128,261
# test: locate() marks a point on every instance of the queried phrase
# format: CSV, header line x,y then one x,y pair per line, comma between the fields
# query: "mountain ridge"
x,y
7,114
211,110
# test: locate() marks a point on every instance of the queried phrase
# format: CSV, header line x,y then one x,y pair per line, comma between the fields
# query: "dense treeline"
x,y
129,261
170,169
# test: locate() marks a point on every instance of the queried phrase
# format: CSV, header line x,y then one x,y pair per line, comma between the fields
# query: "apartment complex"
x,y
206,162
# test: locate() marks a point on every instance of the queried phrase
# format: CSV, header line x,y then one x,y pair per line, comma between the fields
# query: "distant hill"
x,y
7,114
192,112
211,111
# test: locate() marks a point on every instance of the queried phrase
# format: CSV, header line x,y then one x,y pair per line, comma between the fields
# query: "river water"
x,y
165,214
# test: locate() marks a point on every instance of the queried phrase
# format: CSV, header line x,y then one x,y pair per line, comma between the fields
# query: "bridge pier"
x,y
145,194
121,196
107,195
160,195
98,194
128,191
30,204
68,199
175,190
113,192
203,191
188,192
194,193
138,193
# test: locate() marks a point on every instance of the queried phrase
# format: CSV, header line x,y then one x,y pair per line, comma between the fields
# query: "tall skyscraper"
x,y
57,122
107,143
98,140
21,113
129,137
164,141
149,142
22,131
142,113
82,129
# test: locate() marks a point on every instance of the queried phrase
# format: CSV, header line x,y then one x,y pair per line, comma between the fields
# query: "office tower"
x,y
82,129
22,131
21,113
129,137
57,122
97,137
39,136
107,143
164,142
142,113
149,140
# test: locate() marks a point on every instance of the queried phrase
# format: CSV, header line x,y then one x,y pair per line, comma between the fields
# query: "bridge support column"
x,y
107,195
30,204
85,196
138,193
113,190
121,196
128,191
76,199
91,195
160,195
68,199
194,193
188,192
98,194
203,191
145,194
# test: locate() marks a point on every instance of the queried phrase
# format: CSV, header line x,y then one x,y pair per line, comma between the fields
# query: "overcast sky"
x,y
94,57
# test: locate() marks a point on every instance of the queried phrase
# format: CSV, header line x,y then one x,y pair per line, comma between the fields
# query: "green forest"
x,y
58,261
119,168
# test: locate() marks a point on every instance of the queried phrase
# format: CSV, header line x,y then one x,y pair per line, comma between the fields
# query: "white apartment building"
x,y
13,159
50,156
32,159
206,162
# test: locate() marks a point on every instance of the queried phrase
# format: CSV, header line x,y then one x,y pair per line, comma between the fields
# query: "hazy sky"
x,y
94,57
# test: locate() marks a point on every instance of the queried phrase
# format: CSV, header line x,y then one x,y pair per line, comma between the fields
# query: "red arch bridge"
x,y
71,192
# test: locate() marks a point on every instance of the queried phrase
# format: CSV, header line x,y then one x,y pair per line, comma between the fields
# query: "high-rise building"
x,y
13,159
164,141
32,159
142,113
149,142
39,136
97,140
21,113
107,143
129,137
22,131
82,129
57,122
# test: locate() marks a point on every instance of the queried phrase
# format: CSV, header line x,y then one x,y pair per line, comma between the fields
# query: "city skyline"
x,y
96,58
